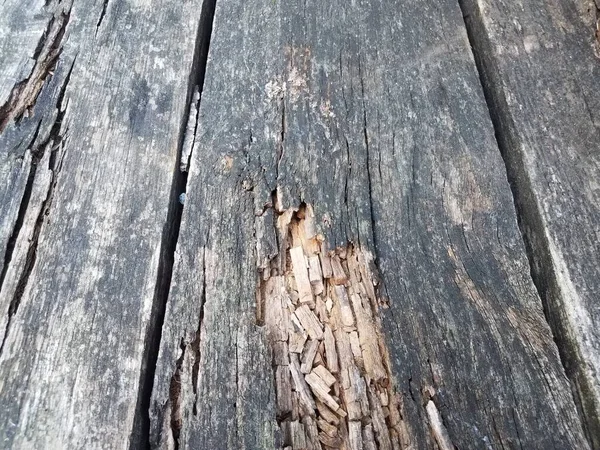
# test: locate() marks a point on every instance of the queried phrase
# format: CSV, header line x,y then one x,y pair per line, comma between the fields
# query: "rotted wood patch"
x,y
330,362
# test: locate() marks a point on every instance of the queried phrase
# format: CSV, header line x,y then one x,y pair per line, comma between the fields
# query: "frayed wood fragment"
x,y
190,132
440,434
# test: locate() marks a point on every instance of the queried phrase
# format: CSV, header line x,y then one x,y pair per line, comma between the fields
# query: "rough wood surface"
x,y
372,113
92,101
540,65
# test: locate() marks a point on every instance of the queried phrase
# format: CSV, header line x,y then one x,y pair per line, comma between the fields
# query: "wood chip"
x,y
325,375
298,437
296,406
326,413
330,351
309,228
355,346
333,442
301,274
284,391
300,384
308,356
312,433
326,268
309,322
355,436
326,427
276,315
383,397
321,390
339,276
440,434
297,342
321,310
373,362
345,308
329,304
378,420
314,269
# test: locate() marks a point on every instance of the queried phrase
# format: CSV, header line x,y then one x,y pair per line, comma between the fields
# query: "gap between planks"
x,y
140,437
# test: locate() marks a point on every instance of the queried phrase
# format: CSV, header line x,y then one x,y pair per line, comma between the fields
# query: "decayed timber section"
x,y
540,66
92,98
371,116
333,383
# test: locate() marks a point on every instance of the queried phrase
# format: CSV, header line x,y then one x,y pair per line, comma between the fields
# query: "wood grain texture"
x,y
540,66
93,97
372,113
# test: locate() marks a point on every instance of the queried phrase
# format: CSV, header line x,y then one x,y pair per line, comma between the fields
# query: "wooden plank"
x,y
92,103
372,114
540,68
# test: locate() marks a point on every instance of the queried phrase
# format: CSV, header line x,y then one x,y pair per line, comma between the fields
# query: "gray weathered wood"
x,y
540,66
372,113
92,103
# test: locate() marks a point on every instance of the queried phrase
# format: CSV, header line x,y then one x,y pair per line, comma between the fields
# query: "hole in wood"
x,y
330,363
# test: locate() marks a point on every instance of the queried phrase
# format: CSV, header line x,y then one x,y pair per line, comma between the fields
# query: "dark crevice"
x,y
368,167
12,240
530,222
175,397
281,146
102,14
140,437
54,142
195,345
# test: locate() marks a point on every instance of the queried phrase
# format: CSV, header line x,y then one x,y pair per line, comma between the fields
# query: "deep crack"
x,y
140,437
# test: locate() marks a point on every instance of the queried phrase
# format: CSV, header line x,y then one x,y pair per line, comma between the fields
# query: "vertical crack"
x,y
55,143
537,246
102,14
140,437
368,163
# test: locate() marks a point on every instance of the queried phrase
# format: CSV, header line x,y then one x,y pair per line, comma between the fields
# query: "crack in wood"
x,y
143,435
25,93
331,366
46,163
102,14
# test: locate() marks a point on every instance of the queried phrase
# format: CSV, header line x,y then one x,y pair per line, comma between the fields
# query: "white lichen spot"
x,y
274,90
326,110
296,84
531,43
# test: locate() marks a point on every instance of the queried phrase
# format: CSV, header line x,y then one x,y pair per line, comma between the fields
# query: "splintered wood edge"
x,y
331,366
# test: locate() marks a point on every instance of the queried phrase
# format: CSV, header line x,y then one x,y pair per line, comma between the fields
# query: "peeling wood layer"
x,y
330,362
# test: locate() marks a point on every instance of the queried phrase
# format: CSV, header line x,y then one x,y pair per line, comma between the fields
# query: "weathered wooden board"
x,y
371,113
92,102
540,67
